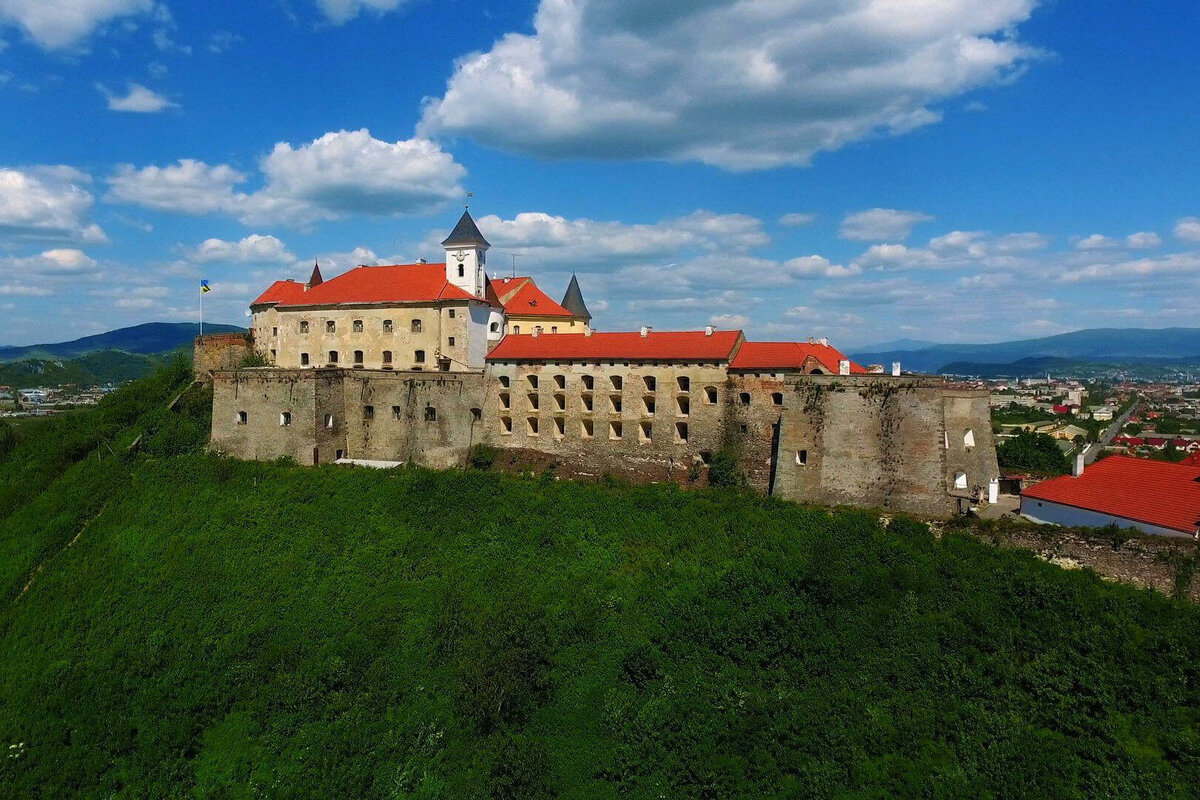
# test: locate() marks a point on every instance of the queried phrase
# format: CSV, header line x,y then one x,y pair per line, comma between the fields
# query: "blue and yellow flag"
x,y
204,287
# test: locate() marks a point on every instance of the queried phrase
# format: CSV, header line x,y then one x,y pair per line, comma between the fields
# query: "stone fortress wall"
x,y
899,443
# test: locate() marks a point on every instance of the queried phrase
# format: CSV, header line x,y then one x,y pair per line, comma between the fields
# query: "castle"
x,y
420,362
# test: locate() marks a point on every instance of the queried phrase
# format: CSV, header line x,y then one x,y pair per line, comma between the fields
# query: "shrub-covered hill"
x,y
225,629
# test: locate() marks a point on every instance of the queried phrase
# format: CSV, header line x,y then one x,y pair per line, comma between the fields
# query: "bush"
x,y
482,456
725,469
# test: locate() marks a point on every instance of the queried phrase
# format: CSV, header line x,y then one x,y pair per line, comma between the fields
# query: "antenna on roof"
x,y
514,262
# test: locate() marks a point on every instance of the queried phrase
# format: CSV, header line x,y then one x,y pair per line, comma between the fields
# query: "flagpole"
x,y
202,310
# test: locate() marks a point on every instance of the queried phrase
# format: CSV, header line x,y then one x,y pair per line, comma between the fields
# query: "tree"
x,y
1033,452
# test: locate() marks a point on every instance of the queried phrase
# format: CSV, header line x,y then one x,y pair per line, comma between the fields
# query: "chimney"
x,y
646,331
1078,468
824,342
709,330
422,261
843,367
587,332
895,369
536,330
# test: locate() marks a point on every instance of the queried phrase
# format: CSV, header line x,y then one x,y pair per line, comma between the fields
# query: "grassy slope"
x,y
230,629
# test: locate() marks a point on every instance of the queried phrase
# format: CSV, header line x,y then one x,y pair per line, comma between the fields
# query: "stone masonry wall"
x,y
214,351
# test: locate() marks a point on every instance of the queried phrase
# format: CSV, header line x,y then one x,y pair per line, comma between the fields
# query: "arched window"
x,y
969,438
494,327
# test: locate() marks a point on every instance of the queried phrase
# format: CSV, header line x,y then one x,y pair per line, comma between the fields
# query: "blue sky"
x,y
868,170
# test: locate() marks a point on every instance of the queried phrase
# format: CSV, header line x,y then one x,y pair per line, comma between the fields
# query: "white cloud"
x,y
729,321
47,203
741,84
1188,229
57,24
189,187
818,267
253,249
1096,242
881,224
63,261
138,99
21,290
1143,239
342,173
339,11
223,42
1187,264
797,220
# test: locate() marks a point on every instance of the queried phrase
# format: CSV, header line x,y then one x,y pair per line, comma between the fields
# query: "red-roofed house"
x,y
1152,496
812,357
527,307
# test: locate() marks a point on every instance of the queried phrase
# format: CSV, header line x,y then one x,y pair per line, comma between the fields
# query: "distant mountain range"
x,y
1097,345
147,339
94,369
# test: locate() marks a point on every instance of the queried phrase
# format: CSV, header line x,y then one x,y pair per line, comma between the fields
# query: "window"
x,y
744,398
494,327
648,403
304,359
685,383
415,327
330,326
453,313
560,429
710,395
537,328
651,383
419,356
430,414
387,326
802,458
616,382
533,401
461,272
554,329
304,326
444,364
358,326
560,381
506,424
505,381
516,328
339,455
274,331
329,420
615,402
395,412
777,398
561,402
587,402
387,356
681,431
333,356
960,480
358,357
241,418
272,355
685,406
586,428
744,428
589,382
533,381
504,401
645,432
285,419
705,457
532,425
476,414
614,430
368,412
969,438
450,341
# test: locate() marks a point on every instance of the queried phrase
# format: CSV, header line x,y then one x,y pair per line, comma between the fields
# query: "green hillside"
x,y
94,369
209,628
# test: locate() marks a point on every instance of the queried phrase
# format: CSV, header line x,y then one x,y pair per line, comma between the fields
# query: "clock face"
x,y
460,254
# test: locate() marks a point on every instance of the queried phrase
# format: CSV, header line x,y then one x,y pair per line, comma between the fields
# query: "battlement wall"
x,y
214,351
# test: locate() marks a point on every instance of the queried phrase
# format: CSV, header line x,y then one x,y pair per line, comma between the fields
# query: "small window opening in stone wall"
x,y
616,382
506,425
387,326
452,313
560,428
533,381
430,414
554,329
533,401
285,419
330,326
358,326
476,414
395,412
504,381
242,418
705,457
450,341
304,359
560,381
589,382
777,398
387,356
615,401
419,356
304,326
648,403
744,398
329,420
685,383
333,356
710,395
651,383
494,327
415,326
960,480
504,401
614,430
681,431
586,428
274,331
645,432
685,405
368,412
560,401
587,402
358,356
339,455
532,425
802,458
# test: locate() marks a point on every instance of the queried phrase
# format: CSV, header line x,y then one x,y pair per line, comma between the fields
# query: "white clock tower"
x,y
466,256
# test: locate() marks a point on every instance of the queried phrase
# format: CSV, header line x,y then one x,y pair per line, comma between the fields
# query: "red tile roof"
x,y
1192,460
400,283
1154,492
790,356
522,297
280,292
632,346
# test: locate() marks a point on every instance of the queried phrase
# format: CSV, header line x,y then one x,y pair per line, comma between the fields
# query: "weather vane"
x,y
468,203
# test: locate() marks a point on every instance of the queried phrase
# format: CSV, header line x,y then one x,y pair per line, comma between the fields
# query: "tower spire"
x,y
315,279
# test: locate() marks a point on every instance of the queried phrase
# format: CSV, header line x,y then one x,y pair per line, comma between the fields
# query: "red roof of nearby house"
x,y
1154,492
400,283
522,297
1192,460
1061,409
789,356
632,346
1130,441
280,292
